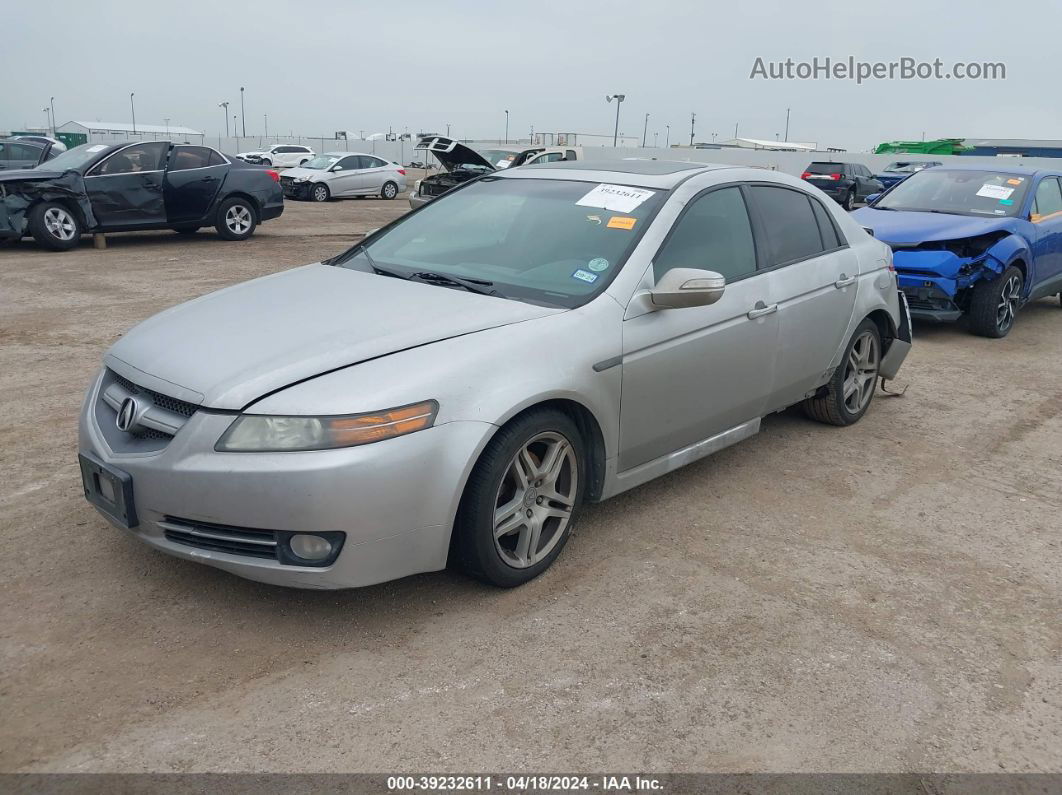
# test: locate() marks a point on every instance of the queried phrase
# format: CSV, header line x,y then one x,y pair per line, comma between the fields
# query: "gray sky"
x,y
324,65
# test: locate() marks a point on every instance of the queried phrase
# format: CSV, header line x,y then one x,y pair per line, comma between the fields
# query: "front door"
x,y
1046,218
814,283
193,179
346,178
689,374
125,189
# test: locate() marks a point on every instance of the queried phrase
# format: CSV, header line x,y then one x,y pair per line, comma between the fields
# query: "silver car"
x,y
336,175
449,390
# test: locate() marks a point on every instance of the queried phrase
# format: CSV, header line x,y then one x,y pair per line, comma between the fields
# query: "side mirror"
x,y
685,287
336,168
873,197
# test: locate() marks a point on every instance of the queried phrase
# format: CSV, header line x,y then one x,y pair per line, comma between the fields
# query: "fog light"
x,y
310,547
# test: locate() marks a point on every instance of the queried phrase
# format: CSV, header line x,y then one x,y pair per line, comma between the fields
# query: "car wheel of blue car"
x,y
994,304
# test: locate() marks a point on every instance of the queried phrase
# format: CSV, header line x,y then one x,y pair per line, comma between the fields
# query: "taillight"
x,y
805,175
835,176
274,174
402,171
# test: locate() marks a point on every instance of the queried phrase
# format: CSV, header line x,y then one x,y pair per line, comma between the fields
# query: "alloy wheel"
x,y
1009,298
238,219
535,500
59,223
861,372
390,191
320,193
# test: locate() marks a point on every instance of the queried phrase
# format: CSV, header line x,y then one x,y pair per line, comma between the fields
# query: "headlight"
x,y
251,433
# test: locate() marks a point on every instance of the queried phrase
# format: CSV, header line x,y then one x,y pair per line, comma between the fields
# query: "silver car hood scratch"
x,y
238,344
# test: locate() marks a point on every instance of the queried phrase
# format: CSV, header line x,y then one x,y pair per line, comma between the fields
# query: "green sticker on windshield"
x,y
1006,201
597,264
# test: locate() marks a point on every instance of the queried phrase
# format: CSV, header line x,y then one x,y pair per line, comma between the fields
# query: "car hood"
x,y
452,153
301,173
897,226
229,348
23,174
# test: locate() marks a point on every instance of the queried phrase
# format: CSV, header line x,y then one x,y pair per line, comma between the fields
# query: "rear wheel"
x,y
320,193
54,226
847,395
522,499
389,191
235,220
994,304
849,200
266,161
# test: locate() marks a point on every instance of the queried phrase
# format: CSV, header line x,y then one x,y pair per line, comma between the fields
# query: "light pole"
x,y
736,128
619,100
225,112
693,119
506,126
265,119
656,139
645,130
51,103
447,130
132,108
667,139
786,124
167,127
47,119
243,115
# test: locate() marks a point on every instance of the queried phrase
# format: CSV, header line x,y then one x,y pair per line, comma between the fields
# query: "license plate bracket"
x,y
109,489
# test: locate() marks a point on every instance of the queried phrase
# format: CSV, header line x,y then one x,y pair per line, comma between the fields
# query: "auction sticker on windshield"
x,y
618,198
995,192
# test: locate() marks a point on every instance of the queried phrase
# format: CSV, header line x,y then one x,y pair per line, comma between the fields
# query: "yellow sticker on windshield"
x,y
621,222
1014,181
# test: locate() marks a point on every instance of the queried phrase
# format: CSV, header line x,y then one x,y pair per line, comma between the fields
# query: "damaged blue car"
x,y
972,241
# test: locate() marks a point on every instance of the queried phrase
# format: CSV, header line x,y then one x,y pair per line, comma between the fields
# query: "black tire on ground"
x,y
185,230
850,390
54,226
849,200
543,433
236,219
994,304
388,191
266,161
320,192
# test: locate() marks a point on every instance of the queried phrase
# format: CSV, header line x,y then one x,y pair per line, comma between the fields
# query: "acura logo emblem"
x,y
127,414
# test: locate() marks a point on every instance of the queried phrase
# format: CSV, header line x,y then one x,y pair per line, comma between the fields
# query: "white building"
x,y
774,146
115,132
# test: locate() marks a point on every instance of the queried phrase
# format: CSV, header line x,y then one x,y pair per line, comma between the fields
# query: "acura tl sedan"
x,y
449,389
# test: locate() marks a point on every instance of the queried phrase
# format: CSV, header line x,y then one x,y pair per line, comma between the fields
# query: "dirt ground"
x,y
882,597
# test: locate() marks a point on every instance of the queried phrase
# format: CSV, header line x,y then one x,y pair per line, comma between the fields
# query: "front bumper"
x,y
394,500
296,190
931,297
416,200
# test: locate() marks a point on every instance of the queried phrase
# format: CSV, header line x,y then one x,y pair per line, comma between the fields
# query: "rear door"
x,y
126,187
1046,217
193,179
376,173
813,284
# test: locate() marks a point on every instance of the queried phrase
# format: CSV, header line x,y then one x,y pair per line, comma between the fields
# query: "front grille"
x,y
160,400
160,416
220,537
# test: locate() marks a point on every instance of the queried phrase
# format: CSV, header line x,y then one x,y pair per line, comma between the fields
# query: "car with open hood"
x,y
448,389
461,163
978,241
133,187
338,175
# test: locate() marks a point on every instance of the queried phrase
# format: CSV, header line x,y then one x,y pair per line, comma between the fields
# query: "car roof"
x,y
647,173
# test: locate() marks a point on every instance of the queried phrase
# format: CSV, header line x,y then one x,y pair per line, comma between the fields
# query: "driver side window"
x,y
134,159
714,234
348,163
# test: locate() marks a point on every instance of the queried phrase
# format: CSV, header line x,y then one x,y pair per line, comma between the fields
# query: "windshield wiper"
x,y
472,285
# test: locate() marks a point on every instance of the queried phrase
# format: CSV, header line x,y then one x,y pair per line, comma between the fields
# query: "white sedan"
x,y
337,174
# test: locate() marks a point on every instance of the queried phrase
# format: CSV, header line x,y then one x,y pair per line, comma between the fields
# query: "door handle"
x,y
844,281
762,309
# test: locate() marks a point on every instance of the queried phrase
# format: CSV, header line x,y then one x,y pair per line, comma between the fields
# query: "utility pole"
x,y
619,100
787,125
667,140
133,109
506,126
47,119
225,112
167,127
656,140
243,114
51,104
447,130
736,128
265,119
693,119
645,130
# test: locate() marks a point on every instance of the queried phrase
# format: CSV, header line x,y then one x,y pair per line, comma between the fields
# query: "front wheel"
x,y
53,226
320,193
266,161
994,304
236,220
389,191
522,499
847,395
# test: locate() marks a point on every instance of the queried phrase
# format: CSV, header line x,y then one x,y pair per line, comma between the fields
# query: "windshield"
x,y
74,158
320,162
958,192
499,158
542,241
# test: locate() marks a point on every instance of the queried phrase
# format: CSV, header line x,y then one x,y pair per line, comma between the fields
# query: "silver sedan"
x,y
449,390
336,175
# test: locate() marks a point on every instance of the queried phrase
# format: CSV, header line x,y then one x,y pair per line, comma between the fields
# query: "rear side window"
x,y
216,159
789,224
375,162
830,238
188,157
713,234
1048,197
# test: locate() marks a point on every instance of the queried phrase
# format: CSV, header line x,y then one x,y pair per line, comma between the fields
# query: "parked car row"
x,y
448,389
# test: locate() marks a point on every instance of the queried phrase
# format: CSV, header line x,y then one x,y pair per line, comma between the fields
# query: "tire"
x,y
320,192
303,162
850,390
235,219
185,230
54,226
265,161
994,304
389,191
520,453
849,201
